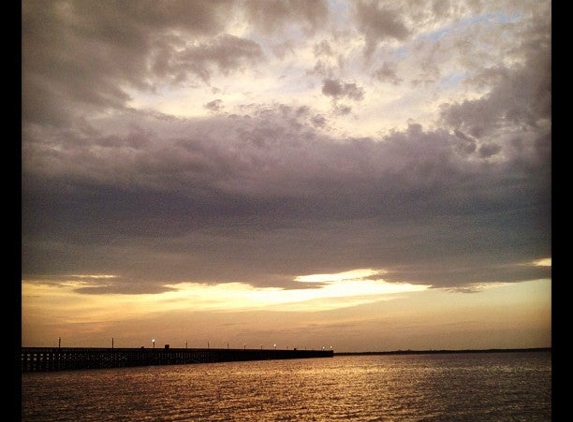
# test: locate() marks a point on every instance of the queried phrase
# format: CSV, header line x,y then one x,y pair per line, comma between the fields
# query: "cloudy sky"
x,y
357,174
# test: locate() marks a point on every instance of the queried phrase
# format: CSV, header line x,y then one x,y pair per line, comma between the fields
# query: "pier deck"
x,y
42,359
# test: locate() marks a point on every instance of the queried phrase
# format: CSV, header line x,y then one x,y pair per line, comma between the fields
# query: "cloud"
x,y
379,23
387,73
338,89
442,185
225,53
520,93
85,56
215,105
273,16
271,190
323,48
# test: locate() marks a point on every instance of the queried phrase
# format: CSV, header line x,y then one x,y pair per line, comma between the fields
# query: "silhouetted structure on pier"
x,y
41,359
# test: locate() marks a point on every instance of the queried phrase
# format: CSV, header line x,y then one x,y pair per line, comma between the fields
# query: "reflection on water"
x,y
450,387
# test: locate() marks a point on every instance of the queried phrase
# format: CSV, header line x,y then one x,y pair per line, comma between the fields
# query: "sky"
x,y
361,175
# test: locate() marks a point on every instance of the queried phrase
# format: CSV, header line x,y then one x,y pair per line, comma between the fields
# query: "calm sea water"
x,y
446,387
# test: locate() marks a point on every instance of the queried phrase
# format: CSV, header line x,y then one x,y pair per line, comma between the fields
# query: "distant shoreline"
x,y
429,352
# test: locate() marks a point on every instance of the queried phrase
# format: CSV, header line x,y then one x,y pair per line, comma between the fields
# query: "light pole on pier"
x,y
153,342
59,342
112,342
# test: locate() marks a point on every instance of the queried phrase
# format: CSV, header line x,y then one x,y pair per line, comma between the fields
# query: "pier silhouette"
x,y
42,359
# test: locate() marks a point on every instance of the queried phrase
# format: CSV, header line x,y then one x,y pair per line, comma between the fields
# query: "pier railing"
x,y
41,359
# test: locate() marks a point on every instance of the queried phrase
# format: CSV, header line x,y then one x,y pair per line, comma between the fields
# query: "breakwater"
x,y
42,359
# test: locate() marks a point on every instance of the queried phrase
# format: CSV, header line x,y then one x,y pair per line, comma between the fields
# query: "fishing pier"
x,y
43,359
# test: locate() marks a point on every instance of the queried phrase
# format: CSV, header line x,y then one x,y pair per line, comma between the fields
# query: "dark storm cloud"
x,y
261,199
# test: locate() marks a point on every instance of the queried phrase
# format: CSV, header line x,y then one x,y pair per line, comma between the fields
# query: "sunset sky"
x,y
364,175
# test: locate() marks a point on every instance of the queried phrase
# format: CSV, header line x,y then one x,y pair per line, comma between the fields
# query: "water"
x,y
446,387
